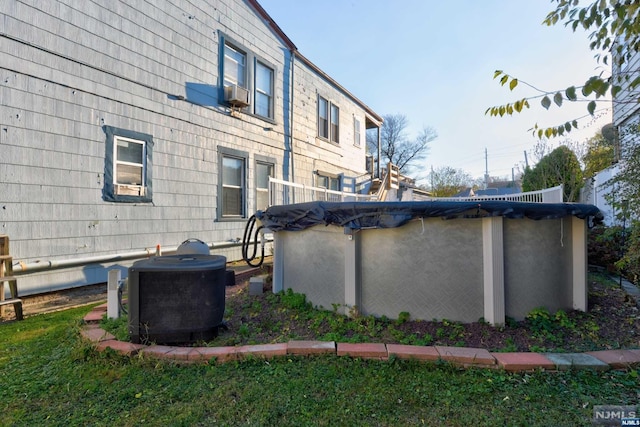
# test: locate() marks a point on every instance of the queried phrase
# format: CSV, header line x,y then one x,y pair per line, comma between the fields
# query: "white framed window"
x,y
328,181
129,162
127,166
235,66
248,80
233,186
323,118
264,90
328,120
357,132
263,172
335,124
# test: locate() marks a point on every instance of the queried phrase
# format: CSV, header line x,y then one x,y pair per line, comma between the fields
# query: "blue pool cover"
x,y
364,215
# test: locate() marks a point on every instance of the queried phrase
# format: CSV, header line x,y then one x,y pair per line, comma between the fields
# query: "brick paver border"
x,y
459,356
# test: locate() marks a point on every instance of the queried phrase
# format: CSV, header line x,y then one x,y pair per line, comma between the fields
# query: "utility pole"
x,y
486,169
526,161
432,190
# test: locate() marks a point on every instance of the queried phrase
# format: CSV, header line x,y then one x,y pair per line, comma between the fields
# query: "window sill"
x,y
321,139
231,219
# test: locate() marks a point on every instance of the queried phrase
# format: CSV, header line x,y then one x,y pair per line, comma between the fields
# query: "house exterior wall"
x,y
314,153
71,70
625,103
596,191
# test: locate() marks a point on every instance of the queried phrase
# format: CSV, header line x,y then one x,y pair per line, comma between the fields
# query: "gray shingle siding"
x,y
71,68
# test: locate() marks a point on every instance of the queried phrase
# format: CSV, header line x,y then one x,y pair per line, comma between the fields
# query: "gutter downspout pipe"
x,y
292,89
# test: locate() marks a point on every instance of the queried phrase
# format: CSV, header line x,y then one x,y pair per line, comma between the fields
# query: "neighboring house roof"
x,y
371,115
467,192
502,191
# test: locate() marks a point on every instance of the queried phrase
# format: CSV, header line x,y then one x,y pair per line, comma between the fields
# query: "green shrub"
x,y
630,262
293,300
117,327
540,320
403,317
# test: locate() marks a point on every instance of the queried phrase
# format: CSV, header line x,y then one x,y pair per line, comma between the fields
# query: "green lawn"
x,y
49,376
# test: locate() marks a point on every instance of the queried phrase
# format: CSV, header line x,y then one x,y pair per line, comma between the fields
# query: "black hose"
x,y
123,308
246,242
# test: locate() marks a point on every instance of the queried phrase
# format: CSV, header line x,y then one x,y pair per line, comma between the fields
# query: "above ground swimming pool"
x,y
461,261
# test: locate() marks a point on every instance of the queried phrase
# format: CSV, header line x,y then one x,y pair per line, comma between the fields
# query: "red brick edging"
x,y
459,356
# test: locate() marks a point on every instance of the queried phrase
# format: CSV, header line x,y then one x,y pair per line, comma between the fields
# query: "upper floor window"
x,y
357,132
335,123
128,162
323,118
264,90
248,80
328,120
235,66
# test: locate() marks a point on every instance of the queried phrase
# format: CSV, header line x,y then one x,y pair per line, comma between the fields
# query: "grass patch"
x,y
51,377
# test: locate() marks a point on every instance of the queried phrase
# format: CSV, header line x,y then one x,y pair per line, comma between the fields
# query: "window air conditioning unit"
x,y
129,190
236,96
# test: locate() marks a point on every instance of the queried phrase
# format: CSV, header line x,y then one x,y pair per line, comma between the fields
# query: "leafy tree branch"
x,y
614,27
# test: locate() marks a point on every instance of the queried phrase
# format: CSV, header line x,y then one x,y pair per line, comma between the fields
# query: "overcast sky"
x,y
433,61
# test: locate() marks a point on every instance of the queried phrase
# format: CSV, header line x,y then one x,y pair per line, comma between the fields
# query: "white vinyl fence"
x,y
548,195
286,193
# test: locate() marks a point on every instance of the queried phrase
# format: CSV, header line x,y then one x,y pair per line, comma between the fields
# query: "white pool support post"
x,y
493,270
351,270
580,264
278,263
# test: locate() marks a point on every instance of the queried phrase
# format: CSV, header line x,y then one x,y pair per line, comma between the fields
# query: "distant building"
x,y
595,192
626,114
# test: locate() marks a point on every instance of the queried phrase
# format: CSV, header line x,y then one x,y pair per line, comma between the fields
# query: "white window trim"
x,y
127,186
119,192
334,136
242,187
267,162
244,157
256,90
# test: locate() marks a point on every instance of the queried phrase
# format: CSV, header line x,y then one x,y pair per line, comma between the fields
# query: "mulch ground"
x,y
611,322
